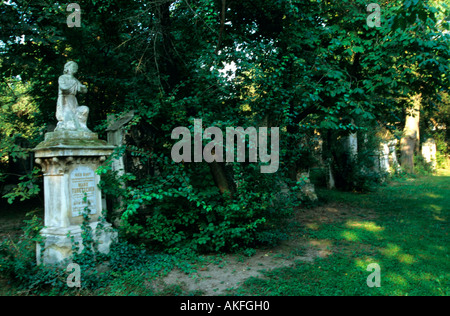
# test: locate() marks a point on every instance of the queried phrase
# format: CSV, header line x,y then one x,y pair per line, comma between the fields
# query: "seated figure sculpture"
x,y
70,116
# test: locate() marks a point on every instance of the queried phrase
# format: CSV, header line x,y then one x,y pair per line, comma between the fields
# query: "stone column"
x,y
352,145
384,157
69,160
116,137
331,184
308,189
393,161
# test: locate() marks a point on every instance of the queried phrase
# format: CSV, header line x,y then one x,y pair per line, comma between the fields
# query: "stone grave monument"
x,y
117,137
69,157
384,157
429,152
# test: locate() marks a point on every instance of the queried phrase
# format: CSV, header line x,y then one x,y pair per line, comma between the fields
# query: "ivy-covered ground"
x,y
403,227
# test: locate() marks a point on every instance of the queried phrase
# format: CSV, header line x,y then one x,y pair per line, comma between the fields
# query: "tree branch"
x,y
222,25
195,13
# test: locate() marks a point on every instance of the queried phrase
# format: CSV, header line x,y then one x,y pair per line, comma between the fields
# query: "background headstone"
x,y
429,152
308,189
384,157
116,137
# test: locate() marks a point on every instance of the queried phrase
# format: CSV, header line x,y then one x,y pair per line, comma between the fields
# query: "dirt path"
x,y
218,278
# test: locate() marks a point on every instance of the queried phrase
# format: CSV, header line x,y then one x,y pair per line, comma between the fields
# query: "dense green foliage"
x,y
302,65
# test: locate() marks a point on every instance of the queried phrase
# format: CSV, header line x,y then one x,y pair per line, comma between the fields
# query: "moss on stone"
x,y
71,139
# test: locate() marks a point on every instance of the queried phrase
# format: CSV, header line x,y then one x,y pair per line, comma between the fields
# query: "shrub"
x,y
184,211
18,262
421,167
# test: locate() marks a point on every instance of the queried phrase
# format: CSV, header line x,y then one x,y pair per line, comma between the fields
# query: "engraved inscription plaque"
x,y
83,190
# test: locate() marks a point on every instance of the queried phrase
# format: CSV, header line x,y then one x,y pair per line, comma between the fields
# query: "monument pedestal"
x,y
69,160
58,241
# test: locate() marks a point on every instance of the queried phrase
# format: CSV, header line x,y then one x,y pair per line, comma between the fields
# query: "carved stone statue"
x,y
70,116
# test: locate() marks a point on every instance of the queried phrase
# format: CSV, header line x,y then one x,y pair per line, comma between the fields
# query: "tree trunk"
x,y
410,141
219,175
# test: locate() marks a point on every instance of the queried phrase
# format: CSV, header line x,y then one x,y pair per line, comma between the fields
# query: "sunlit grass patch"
x,y
369,226
391,250
406,234
350,236
313,226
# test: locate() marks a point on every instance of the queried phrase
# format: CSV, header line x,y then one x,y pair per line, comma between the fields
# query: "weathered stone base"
x,y
58,243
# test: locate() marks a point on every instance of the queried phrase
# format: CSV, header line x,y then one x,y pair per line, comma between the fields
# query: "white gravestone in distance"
x,y
384,157
429,152
69,157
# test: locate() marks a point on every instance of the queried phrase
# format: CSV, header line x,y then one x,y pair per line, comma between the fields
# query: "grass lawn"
x,y
403,227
